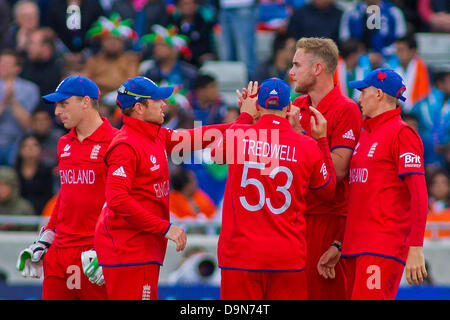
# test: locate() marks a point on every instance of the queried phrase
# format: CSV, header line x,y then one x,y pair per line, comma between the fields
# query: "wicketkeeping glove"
x,y
91,268
29,261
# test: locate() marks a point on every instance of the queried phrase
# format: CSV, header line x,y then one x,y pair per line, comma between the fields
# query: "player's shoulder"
x,y
345,104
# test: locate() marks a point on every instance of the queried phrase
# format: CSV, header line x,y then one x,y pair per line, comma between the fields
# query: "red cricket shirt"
x,y
344,123
135,218
270,170
379,220
82,174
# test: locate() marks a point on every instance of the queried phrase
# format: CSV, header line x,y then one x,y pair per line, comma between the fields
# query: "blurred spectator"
x,y
41,64
35,177
144,13
378,33
26,19
433,115
238,20
320,18
436,14
71,19
5,17
231,114
412,121
47,135
439,201
11,203
178,112
283,50
187,200
274,14
413,20
353,64
166,66
413,70
18,99
190,22
205,100
112,65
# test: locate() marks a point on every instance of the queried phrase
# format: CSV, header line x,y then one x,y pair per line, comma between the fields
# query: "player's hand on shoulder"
x,y
247,100
318,124
177,235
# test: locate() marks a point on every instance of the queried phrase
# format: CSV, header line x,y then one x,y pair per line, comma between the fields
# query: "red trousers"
x,y
320,233
64,278
132,282
263,285
373,278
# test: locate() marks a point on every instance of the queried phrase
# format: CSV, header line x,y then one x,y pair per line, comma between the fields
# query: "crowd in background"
x,y
109,41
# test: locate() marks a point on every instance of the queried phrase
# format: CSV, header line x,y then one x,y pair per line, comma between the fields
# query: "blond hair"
x,y
323,49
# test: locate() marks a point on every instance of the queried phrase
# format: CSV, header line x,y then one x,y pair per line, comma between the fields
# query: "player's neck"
x,y
320,90
88,125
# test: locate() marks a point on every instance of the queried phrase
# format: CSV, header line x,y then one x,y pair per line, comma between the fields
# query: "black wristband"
x,y
337,245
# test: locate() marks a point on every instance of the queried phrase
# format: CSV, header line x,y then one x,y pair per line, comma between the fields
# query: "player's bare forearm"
x,y
341,162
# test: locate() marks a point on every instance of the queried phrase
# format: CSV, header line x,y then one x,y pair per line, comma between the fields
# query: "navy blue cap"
x,y
73,86
387,80
274,89
139,88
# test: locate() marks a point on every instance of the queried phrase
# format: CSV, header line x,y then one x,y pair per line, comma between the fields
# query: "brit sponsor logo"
x,y
411,160
66,152
372,150
95,151
358,175
77,176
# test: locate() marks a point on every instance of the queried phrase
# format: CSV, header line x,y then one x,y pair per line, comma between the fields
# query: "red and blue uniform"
x,y
385,215
325,220
82,174
262,243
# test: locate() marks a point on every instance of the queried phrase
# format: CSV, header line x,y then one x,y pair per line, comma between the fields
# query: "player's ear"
x,y
289,106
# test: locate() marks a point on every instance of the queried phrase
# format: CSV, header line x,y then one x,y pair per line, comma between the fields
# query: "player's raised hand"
x,y
293,116
177,235
415,270
318,124
248,99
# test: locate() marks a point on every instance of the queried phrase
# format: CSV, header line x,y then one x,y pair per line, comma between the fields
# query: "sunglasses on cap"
x,y
122,90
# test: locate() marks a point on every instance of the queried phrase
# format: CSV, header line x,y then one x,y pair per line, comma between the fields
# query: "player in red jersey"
x,y
314,63
133,228
388,197
70,230
262,244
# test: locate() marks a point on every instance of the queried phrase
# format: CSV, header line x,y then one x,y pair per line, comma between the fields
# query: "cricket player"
x,y
70,230
132,231
314,64
388,196
262,243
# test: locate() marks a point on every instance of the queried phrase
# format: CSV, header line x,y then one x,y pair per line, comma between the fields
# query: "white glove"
x,y
29,261
41,245
91,268
29,269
